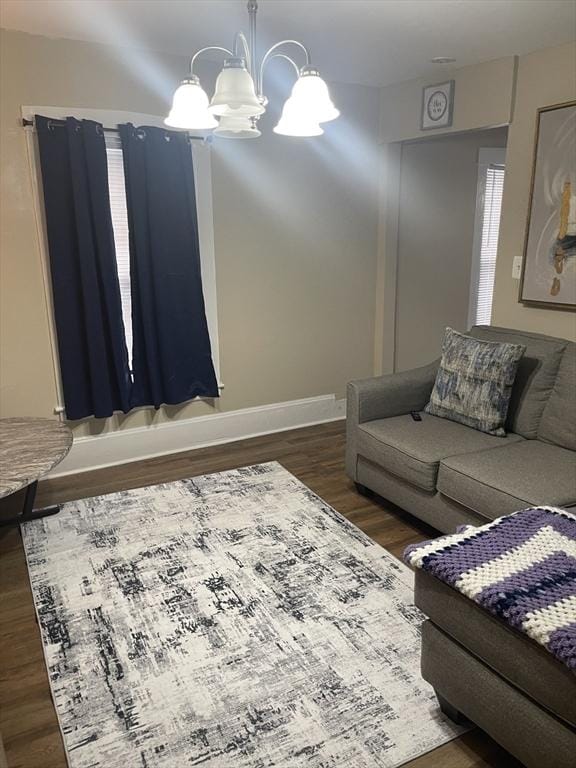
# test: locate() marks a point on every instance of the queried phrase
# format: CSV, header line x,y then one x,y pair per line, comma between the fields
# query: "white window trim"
x,y
486,157
203,185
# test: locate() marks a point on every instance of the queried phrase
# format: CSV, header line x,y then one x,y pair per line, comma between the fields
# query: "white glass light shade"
x,y
237,128
313,95
295,121
190,108
235,95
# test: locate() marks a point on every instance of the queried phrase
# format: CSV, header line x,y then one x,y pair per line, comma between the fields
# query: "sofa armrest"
x,y
392,395
382,397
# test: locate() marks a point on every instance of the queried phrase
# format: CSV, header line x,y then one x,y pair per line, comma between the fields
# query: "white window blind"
x,y
119,212
488,209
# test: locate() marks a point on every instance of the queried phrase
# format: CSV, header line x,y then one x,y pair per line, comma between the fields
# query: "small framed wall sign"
x,y
437,105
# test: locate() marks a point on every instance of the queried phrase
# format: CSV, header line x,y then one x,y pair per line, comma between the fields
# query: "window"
x,y
200,157
491,168
119,212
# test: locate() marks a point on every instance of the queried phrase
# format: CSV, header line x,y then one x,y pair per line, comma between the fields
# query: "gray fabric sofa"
x,y
448,474
496,677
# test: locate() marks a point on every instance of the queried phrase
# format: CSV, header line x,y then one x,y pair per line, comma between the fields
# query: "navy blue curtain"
x,y
172,360
92,348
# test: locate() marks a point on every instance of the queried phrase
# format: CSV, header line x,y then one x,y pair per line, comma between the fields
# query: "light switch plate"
x,y
517,267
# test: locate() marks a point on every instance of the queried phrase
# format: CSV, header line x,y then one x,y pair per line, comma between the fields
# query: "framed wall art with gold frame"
x,y
549,266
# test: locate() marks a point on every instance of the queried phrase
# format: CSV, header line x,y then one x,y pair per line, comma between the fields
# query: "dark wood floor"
x,y
315,455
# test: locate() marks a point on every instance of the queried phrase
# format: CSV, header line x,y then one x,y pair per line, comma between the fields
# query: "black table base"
x,y
28,511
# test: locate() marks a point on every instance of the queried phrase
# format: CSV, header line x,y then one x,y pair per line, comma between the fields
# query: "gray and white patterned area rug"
x,y
233,619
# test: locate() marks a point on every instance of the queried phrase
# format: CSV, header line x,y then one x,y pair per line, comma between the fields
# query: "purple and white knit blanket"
x,y
521,568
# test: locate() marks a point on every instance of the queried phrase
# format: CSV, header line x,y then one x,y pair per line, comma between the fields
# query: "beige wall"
x,y
438,185
295,235
295,221
483,99
545,77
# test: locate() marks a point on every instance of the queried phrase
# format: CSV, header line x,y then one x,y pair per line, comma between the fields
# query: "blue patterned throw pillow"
x,y
474,382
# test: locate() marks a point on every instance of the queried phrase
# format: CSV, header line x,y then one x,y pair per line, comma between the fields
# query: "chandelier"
x,y
239,101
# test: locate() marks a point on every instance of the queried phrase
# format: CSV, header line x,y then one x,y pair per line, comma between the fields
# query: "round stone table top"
x,y
29,448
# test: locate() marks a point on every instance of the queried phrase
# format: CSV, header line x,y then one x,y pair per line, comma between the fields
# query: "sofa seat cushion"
x,y
512,477
412,450
511,654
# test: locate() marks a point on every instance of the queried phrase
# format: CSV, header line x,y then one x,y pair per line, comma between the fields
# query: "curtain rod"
x,y
26,123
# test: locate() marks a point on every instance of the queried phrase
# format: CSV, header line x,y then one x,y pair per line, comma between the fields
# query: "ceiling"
x,y
374,42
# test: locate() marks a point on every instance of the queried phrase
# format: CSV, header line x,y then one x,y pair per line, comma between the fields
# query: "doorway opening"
x,y
450,195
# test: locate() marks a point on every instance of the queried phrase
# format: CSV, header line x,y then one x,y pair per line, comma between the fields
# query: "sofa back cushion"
x,y
558,424
535,377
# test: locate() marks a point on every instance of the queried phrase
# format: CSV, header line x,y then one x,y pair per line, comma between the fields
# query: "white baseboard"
x,y
128,445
